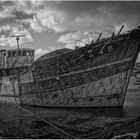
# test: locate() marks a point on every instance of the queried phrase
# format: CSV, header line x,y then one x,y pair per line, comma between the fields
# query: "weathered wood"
x,y
120,30
104,92
87,78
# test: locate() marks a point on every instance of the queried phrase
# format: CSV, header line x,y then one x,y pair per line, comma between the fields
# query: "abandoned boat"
x,y
96,75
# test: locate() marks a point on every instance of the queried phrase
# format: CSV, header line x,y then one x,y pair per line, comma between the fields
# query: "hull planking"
x,y
96,75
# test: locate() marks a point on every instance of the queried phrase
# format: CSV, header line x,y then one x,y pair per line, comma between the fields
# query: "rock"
x,y
127,136
138,118
137,125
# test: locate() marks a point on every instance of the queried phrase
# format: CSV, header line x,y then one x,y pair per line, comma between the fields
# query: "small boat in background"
x,y
95,75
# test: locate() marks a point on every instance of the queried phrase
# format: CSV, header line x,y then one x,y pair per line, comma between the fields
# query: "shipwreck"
x,y
95,75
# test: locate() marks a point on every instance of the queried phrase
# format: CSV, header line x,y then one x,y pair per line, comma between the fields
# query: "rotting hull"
x,y
84,78
102,93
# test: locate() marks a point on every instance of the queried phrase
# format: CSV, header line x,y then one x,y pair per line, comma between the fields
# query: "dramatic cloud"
x,y
7,40
103,18
79,38
41,16
49,49
40,51
64,22
44,20
37,14
51,19
6,12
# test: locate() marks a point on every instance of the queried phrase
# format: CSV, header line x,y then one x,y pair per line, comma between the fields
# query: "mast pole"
x,y
18,78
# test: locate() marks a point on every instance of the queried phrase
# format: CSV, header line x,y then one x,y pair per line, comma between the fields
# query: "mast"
x,y
17,38
18,78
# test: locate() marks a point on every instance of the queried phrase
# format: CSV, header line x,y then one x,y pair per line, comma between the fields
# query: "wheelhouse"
x,y
16,58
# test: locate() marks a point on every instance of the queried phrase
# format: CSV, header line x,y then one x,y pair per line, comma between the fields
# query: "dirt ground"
x,y
75,124
82,123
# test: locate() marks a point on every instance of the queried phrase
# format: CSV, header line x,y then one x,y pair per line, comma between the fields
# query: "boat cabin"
x,y
16,58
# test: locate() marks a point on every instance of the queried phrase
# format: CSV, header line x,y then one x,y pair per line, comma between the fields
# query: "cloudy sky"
x,y
49,25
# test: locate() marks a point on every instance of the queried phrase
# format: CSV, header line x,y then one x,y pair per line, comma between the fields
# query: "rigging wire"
x,y
47,122
57,72
54,126
33,114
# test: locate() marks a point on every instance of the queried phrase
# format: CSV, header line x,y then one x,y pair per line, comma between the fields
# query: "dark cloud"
x,y
21,15
126,8
69,16
26,25
4,4
5,32
7,20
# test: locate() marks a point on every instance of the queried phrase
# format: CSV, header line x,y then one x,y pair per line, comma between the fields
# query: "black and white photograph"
x,y
69,69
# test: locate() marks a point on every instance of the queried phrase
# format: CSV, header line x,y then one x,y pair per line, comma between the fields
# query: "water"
x,y
79,122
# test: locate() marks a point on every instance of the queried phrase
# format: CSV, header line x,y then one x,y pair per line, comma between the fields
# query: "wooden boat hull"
x,y
85,77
